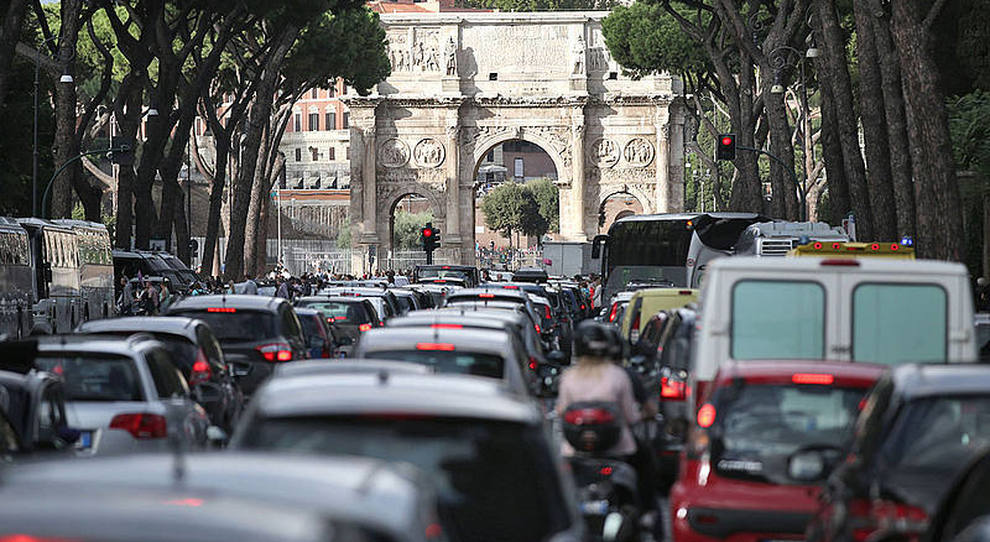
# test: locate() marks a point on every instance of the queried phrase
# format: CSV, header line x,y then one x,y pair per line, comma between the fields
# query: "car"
x,y
498,477
388,301
495,354
408,301
758,421
964,513
865,310
356,490
161,516
351,316
423,299
319,333
466,275
32,404
123,395
919,427
647,302
490,293
613,313
350,366
194,349
530,274
981,322
255,332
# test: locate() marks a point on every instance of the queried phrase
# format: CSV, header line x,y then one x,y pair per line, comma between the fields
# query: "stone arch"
x,y
389,199
486,144
609,192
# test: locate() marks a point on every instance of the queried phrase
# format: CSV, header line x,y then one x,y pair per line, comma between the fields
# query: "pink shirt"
x,y
610,383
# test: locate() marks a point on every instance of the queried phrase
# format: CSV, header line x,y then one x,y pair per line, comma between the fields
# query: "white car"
x,y
124,395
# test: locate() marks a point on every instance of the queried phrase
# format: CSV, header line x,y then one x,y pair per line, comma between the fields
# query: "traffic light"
x,y
726,149
431,240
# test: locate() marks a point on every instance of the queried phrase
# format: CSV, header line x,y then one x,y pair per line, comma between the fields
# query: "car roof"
x,y
442,395
238,301
862,265
925,380
120,346
451,318
349,366
306,311
470,340
773,371
171,325
330,299
498,291
351,487
664,292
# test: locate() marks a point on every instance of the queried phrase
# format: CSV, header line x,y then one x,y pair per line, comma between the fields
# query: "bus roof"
x,y
683,216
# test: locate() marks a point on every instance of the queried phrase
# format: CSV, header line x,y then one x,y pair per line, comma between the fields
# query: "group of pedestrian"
x,y
141,297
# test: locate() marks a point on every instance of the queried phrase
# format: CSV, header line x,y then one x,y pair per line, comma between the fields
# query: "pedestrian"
x,y
165,295
250,286
283,288
148,300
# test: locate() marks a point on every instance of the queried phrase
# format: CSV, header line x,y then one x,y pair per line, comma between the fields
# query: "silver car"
x,y
124,395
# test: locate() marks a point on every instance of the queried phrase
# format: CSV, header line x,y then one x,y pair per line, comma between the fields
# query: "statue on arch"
x,y
580,55
450,53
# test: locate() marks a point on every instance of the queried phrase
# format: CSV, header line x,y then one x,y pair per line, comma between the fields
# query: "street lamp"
x,y
34,153
783,57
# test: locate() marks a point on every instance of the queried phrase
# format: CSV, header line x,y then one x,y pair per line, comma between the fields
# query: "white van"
x,y
871,310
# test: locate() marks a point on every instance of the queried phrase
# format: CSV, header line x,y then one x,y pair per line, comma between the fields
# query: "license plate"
x,y
85,441
594,508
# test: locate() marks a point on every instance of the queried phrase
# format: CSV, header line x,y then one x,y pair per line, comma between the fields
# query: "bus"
x,y
96,277
55,273
16,293
666,248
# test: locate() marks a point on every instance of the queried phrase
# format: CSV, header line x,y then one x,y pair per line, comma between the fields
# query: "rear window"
x,y
762,425
241,325
181,350
341,312
778,320
94,377
310,325
495,481
899,323
453,362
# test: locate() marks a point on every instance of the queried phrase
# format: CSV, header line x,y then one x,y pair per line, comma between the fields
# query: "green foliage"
x,y
547,197
406,229
344,236
539,5
645,39
969,124
16,142
512,208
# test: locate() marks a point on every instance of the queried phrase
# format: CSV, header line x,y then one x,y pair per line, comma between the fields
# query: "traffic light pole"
x,y
781,163
69,162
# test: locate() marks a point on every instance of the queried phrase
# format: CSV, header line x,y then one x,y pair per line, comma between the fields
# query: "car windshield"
x,y
239,325
760,426
94,377
341,312
496,481
938,434
450,361
310,325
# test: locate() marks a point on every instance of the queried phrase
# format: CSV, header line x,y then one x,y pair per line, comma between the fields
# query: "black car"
x,y
32,404
351,315
918,429
195,351
319,333
255,332
965,512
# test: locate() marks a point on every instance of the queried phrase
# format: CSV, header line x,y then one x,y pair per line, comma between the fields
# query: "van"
x,y
868,310
645,303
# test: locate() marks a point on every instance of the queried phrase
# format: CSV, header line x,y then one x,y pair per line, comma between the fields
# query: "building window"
x,y
332,90
314,122
312,94
347,120
519,167
316,153
347,152
331,120
298,155
297,122
331,155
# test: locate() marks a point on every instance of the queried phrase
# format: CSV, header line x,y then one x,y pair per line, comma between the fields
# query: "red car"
x,y
766,433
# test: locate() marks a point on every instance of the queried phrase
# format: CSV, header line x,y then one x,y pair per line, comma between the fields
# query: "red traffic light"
x,y
726,140
427,232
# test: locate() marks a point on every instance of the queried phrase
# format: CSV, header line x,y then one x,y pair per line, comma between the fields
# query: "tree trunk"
x,y
881,188
257,120
66,144
182,235
216,203
838,187
784,203
939,216
128,112
10,32
747,191
255,229
836,74
897,136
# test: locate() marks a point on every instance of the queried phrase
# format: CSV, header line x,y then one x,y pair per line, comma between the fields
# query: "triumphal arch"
x,y
463,83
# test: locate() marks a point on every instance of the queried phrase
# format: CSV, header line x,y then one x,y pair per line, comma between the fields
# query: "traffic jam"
x,y
713,376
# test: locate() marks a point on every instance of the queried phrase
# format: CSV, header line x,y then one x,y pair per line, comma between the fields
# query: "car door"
x,y
173,392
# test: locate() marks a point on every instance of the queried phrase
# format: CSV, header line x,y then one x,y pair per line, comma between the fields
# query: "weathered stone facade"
x,y
463,83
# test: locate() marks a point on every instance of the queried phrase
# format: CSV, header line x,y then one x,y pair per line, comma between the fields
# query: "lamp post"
x,y
783,57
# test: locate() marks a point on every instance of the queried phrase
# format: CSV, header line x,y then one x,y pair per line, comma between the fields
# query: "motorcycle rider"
x,y
597,377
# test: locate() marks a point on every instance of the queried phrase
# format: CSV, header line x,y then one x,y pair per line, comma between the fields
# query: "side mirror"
x,y
596,246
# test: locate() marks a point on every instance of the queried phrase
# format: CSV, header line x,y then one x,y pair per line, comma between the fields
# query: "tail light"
x,y
867,517
546,312
364,327
444,347
532,363
615,309
588,416
201,371
275,352
673,390
141,425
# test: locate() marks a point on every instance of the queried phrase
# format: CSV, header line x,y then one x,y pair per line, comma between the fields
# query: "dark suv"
x,y
255,332
351,315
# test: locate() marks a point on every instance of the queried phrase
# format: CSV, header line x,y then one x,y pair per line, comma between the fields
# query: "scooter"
x,y
607,486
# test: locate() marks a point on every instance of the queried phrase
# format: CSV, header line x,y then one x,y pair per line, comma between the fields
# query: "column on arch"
x,y
662,163
573,205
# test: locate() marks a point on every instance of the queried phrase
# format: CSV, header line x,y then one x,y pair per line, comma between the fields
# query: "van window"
x,y
778,320
899,323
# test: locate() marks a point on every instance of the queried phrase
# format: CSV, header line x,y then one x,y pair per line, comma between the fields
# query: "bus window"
x,y
775,319
899,323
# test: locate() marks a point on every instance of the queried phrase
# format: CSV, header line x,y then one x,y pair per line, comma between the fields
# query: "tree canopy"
x,y
511,208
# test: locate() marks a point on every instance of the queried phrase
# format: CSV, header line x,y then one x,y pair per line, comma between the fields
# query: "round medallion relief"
x,y
638,152
393,153
429,153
